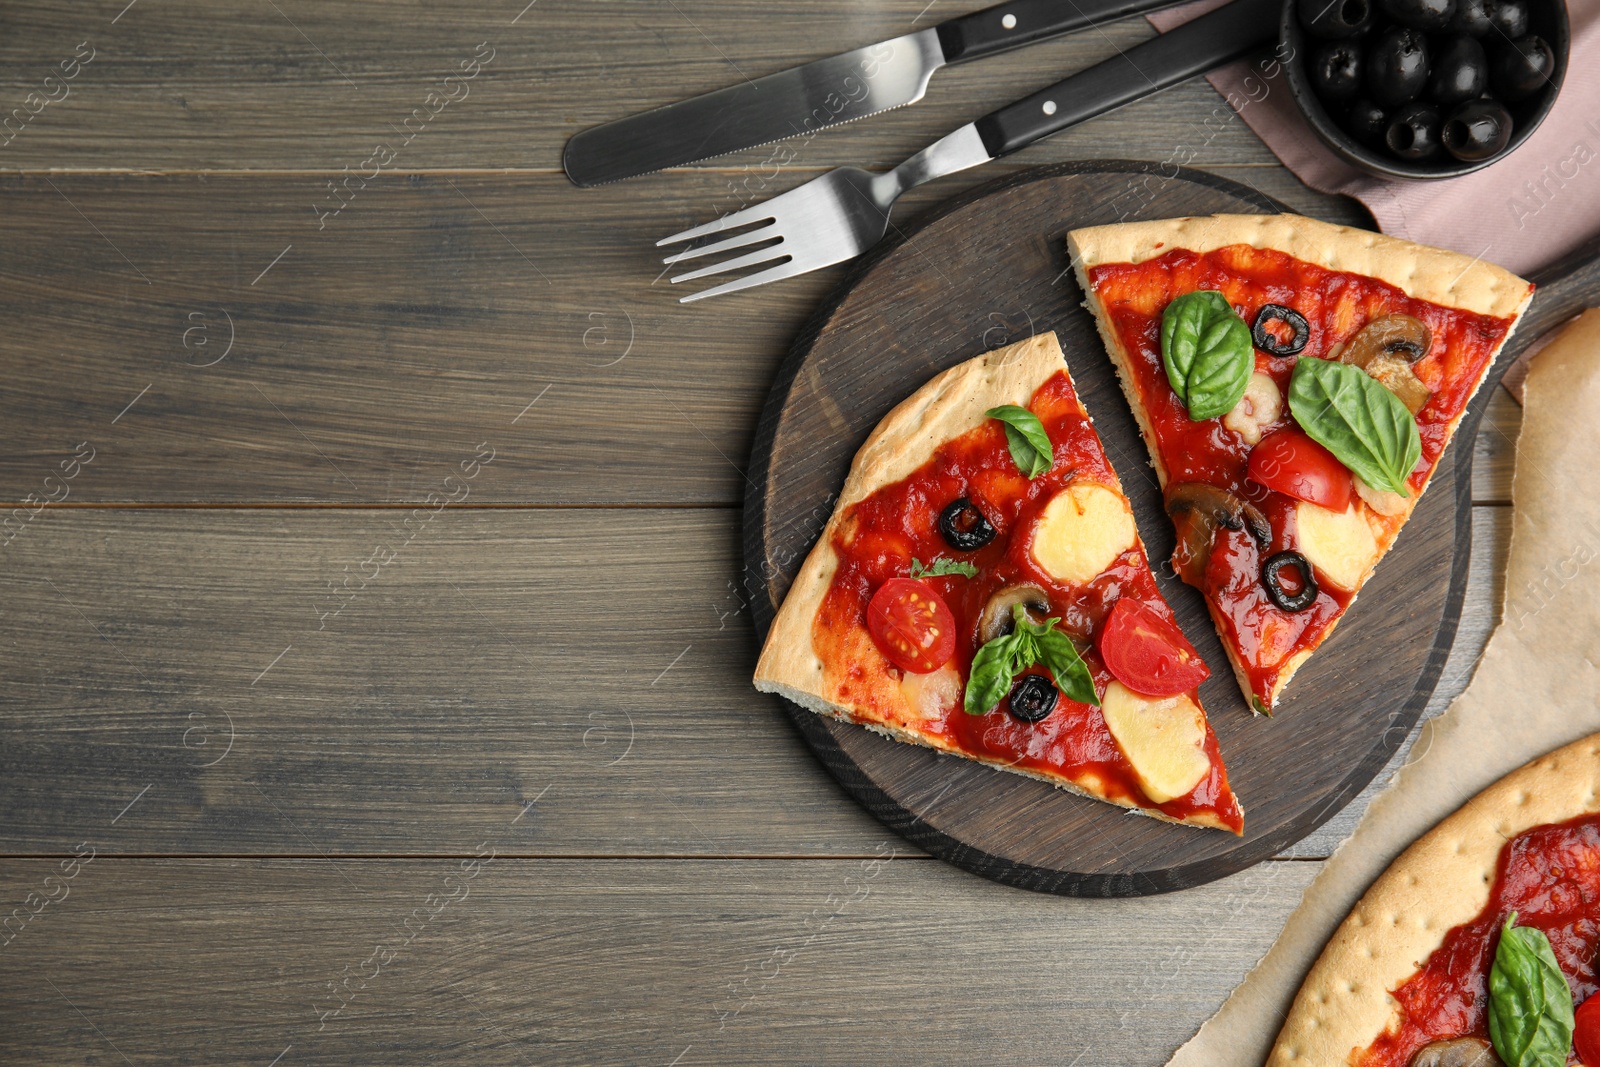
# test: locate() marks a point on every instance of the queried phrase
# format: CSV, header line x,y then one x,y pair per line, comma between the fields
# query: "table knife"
x,y
827,92
838,215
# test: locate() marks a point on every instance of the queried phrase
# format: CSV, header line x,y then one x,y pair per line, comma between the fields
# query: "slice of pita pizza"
x,y
1297,384
981,589
1424,970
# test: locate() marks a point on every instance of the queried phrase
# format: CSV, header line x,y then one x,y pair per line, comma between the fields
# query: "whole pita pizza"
x,y
1477,947
1297,384
981,589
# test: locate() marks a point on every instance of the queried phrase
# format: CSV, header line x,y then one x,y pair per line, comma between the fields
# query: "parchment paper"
x,y
1536,688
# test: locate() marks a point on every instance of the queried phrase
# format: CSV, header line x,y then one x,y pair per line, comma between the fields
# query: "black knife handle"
x,y
1209,41
1007,26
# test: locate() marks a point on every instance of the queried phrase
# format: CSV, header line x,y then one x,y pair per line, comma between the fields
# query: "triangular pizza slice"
x,y
981,589
1296,383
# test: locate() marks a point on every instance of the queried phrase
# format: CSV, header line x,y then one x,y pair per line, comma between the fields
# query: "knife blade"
x,y
827,92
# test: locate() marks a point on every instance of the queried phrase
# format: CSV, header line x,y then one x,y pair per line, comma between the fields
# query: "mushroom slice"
x,y
1197,510
1386,348
1457,1052
1400,336
996,620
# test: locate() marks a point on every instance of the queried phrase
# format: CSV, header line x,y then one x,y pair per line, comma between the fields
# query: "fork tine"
x,y
749,259
755,213
772,274
764,233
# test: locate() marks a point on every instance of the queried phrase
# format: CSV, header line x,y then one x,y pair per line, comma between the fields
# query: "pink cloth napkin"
x,y
1523,212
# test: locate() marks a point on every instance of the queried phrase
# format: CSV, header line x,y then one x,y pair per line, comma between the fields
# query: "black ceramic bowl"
x,y
1548,20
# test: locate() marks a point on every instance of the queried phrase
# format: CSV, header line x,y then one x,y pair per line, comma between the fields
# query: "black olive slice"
x,y
964,526
1275,592
1033,698
1271,343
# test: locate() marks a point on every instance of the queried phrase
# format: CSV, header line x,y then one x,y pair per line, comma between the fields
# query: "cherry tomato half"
x,y
1586,1031
1147,653
1294,464
911,625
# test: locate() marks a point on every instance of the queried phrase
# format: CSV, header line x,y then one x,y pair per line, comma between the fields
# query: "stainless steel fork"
x,y
846,211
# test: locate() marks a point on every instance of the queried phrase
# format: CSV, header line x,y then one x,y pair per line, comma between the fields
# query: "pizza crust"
x,y
949,405
1422,273
1440,882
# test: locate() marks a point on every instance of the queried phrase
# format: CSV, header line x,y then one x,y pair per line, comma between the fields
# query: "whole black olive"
x,y
1420,14
1269,340
1333,19
1336,70
1510,17
1473,17
965,527
1033,698
1478,129
1366,122
1522,68
1273,583
1413,132
1397,66
1460,71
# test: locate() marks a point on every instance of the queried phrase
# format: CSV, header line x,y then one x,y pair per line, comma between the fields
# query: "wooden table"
x,y
386,646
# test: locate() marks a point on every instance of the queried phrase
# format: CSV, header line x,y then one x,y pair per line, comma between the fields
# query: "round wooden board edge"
x,y
817,729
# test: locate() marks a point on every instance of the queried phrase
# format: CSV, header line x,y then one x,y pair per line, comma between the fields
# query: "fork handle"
x,y
1007,26
1215,38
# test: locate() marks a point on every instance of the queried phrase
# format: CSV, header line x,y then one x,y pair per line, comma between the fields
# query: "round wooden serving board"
x,y
991,268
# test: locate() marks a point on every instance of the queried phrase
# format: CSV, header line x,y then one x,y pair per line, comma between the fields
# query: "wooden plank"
x,y
475,671
389,676
640,962
368,355
304,85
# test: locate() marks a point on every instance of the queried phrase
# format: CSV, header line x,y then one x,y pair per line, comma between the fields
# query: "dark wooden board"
x,y
991,268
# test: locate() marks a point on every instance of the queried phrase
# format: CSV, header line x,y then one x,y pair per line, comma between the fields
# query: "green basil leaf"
x,y
993,669
941,567
1530,1005
1060,657
1207,351
1353,415
1030,445
998,663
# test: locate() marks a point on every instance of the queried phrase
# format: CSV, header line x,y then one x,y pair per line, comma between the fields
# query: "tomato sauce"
x,y
880,535
1336,306
1549,876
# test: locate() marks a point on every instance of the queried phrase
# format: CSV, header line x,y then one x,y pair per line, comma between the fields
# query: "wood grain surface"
x,y
355,362
686,905
303,84
612,961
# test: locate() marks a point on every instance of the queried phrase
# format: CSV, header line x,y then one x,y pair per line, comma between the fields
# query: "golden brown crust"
x,y
949,405
1440,882
1423,273
1446,278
